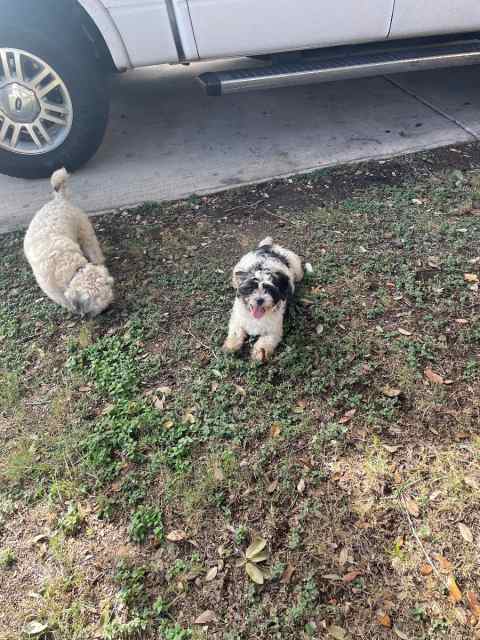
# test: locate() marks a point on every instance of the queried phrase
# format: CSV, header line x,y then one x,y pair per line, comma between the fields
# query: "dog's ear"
x,y
282,283
238,278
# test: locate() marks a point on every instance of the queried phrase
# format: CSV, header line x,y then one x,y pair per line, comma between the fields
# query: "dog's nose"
x,y
260,301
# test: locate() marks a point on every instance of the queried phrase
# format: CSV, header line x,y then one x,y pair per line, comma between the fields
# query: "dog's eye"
x,y
248,286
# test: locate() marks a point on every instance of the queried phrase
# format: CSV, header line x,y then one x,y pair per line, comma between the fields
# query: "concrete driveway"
x,y
167,140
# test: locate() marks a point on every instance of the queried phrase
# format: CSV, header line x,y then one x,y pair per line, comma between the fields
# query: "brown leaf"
x,y
351,576
207,617
337,632
472,482
301,486
385,620
404,332
426,569
159,404
254,573
275,430
392,448
218,474
343,557
436,378
176,536
288,573
211,574
272,486
84,389
461,321
470,277
465,532
473,603
240,390
454,591
391,392
445,565
412,507
461,615
347,416
400,633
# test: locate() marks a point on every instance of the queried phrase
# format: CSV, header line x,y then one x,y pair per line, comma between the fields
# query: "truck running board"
x,y
341,67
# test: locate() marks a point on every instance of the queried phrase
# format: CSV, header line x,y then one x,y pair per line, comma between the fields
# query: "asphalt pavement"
x,y
167,140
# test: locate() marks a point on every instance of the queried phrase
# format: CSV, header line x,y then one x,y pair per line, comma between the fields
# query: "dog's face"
x,y
91,291
262,290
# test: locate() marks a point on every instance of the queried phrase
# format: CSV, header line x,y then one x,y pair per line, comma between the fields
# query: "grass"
x,y
341,453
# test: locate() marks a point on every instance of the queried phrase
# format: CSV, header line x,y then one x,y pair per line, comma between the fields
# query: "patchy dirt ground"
x,y
152,487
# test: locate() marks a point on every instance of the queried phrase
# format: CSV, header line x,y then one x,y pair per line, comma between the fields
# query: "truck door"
x,y
414,18
247,27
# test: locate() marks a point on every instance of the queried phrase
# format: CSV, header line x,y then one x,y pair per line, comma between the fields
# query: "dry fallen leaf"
x,y
207,617
454,591
400,633
287,574
391,392
84,389
258,544
159,404
337,632
176,536
351,576
465,532
272,486
404,332
436,378
426,569
301,485
461,615
385,620
347,416
472,482
275,430
211,574
470,277
34,628
218,474
392,448
473,603
412,507
254,573
343,557
445,565
165,391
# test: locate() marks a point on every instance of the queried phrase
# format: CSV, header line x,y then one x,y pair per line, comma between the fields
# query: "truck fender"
x,y
113,40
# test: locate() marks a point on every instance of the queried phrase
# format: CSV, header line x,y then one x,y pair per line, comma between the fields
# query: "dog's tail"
x,y
268,241
59,181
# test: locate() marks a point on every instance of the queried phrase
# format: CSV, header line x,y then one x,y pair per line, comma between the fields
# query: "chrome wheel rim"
x,y
36,111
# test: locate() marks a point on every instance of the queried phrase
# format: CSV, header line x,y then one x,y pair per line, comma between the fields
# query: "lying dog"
x,y
264,280
66,259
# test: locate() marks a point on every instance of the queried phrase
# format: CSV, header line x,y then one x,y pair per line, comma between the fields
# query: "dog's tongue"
x,y
258,312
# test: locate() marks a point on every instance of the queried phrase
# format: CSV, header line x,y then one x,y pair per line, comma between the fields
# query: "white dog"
x,y
66,259
265,281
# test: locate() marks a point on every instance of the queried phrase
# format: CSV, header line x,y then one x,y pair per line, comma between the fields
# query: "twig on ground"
x,y
419,542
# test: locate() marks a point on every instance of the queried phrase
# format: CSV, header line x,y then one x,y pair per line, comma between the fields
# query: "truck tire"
x,y
54,99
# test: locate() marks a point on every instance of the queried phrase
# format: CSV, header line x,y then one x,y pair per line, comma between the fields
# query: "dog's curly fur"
x,y
65,256
264,280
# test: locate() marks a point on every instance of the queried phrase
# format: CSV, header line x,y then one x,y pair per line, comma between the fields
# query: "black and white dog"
x,y
264,280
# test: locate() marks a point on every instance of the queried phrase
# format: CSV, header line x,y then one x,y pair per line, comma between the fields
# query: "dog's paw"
x,y
260,354
232,345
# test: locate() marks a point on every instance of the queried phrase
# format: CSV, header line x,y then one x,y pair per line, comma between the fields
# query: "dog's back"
x,y
55,225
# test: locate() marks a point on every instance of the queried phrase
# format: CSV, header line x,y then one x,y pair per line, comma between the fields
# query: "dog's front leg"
x,y
265,346
235,339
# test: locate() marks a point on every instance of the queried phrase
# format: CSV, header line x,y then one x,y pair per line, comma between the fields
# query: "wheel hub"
x,y
36,112
19,103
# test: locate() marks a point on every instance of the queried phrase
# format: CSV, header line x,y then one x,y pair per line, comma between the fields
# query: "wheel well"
x,y
72,16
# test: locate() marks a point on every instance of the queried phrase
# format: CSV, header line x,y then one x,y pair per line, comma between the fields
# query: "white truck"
x,y
56,56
